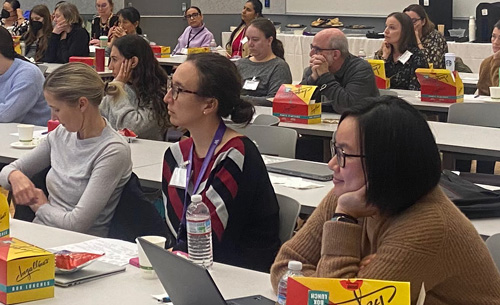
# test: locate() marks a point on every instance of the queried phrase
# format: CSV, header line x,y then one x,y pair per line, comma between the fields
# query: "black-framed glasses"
x,y
318,49
192,16
415,20
341,154
176,90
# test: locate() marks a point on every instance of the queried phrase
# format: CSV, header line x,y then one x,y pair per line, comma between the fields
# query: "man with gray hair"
x,y
342,78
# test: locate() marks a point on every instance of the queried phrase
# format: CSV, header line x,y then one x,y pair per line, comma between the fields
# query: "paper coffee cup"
x,y
441,29
103,41
449,61
25,132
147,271
495,92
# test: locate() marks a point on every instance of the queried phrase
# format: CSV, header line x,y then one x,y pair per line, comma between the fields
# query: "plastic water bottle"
x,y
472,28
294,269
213,46
361,53
199,232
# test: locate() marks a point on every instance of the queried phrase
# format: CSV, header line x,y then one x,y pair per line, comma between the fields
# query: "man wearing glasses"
x,y
196,34
342,78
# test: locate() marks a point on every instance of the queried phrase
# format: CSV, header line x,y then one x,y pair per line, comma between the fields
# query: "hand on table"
x,y
319,66
23,189
354,204
94,42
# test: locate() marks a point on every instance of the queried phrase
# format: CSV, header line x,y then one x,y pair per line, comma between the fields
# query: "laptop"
x,y
94,271
189,284
303,169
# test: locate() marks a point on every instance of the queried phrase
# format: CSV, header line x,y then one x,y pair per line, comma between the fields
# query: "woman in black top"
x,y
400,52
68,37
38,34
103,21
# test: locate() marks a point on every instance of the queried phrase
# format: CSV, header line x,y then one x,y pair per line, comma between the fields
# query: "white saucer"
x,y
24,145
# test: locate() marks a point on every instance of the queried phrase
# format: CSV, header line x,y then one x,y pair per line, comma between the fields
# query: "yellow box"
x,y
161,51
324,291
440,85
378,67
17,44
293,103
26,272
4,215
198,50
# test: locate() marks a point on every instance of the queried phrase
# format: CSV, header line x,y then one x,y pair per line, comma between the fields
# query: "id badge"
x,y
184,51
404,58
244,40
251,84
178,179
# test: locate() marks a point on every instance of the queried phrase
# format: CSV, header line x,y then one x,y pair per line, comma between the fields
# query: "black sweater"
x,y
76,44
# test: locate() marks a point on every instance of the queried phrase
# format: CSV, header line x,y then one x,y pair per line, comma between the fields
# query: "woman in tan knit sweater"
x,y
488,71
387,213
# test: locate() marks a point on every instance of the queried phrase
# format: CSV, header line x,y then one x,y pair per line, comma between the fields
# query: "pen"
x,y
45,132
477,95
166,300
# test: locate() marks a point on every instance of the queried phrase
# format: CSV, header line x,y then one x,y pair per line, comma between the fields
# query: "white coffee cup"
x,y
495,92
25,132
449,61
147,271
103,41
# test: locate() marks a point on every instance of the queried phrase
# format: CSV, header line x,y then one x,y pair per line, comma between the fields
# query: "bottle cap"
x,y
196,198
295,265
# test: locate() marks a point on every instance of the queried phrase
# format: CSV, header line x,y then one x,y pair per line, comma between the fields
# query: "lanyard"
x,y
191,39
215,142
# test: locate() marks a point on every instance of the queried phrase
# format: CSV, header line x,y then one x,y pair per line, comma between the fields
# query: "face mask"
x,y
36,26
5,13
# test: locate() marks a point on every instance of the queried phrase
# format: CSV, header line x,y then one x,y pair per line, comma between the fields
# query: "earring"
x,y
204,112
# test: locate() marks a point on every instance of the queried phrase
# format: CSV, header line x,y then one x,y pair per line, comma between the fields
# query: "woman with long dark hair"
x,y
400,52
237,46
38,34
266,65
141,109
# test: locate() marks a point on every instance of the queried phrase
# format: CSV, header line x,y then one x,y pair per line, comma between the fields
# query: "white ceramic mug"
x,y
147,271
25,132
449,61
495,92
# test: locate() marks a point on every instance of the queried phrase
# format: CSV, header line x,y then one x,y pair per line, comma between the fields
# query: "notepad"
x,y
303,169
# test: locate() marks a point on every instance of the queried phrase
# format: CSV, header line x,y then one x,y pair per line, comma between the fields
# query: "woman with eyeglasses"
x,y
195,35
387,218
266,69
38,34
429,40
237,44
12,18
104,20
221,165
401,53
141,109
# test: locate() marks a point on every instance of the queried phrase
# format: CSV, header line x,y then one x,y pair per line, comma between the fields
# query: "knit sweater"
x,y
431,242
21,98
488,75
85,180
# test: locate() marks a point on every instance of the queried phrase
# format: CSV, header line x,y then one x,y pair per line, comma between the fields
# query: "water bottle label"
x,y
316,297
199,227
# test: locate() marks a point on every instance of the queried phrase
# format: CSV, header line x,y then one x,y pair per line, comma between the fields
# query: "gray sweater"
x,y
85,181
126,113
270,74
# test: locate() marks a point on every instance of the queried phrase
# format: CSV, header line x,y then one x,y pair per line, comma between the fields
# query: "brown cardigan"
x,y
488,75
431,242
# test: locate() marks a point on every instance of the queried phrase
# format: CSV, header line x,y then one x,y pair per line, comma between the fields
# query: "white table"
x,y
53,66
297,48
128,287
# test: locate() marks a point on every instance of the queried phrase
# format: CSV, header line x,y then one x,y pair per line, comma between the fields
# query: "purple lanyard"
x,y
215,142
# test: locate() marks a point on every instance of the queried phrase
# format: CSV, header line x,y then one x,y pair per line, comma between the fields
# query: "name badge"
x,y
404,58
178,179
251,84
244,40
184,51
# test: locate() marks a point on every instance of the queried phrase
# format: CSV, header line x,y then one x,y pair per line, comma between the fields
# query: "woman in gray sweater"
x,y
89,161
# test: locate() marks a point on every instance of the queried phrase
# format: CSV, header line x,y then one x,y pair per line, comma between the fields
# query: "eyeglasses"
x,y
176,90
340,153
192,16
414,20
318,49
104,5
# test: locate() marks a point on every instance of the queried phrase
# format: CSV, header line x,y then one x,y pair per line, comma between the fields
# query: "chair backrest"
x,y
266,119
271,140
478,114
387,92
493,244
289,211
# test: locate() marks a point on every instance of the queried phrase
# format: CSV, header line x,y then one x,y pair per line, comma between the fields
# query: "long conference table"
x,y
128,287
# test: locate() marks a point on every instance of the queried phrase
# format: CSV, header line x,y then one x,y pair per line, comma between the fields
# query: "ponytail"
x,y
277,47
242,112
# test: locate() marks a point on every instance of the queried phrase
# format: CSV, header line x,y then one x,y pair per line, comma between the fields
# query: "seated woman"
x,y
38,34
400,52
12,18
488,71
141,109
196,34
430,42
68,38
266,69
237,47
387,218
90,162
21,84
104,20
230,176
129,20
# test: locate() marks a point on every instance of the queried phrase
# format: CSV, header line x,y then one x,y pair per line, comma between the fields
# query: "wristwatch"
x,y
344,218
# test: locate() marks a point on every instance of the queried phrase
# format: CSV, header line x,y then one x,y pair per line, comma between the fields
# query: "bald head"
x,y
332,38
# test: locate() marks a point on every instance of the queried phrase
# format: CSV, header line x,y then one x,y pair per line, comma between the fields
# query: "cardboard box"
x,y
378,67
440,85
198,50
86,60
161,51
17,44
293,103
324,291
4,215
26,272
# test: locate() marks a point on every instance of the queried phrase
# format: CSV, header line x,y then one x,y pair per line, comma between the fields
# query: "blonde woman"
x,y
90,162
